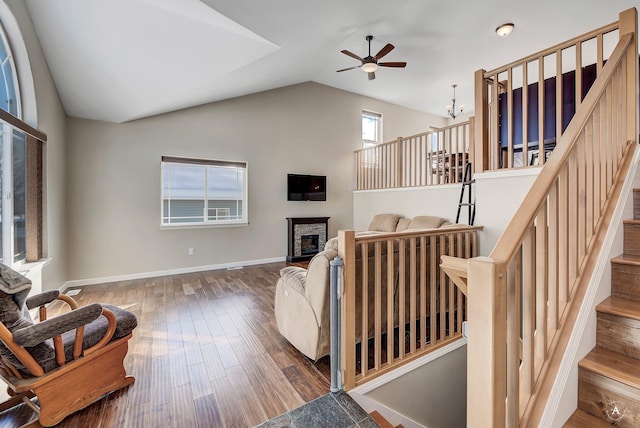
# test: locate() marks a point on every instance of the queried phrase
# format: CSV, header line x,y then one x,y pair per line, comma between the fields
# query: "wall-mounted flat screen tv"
x,y
301,187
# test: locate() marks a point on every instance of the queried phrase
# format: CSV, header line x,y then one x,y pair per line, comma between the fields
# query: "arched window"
x,y
9,90
21,153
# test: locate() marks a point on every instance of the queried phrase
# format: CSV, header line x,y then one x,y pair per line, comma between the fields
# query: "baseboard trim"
x,y
143,275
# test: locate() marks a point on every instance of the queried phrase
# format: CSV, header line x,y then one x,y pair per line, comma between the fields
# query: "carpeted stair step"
x,y
625,276
609,387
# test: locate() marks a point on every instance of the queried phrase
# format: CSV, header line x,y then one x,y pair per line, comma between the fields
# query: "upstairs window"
x,y
371,129
203,192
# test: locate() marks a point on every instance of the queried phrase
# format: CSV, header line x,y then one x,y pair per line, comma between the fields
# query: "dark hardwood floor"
x,y
206,353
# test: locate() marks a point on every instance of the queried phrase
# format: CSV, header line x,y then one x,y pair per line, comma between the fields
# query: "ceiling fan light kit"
x,y
369,67
370,64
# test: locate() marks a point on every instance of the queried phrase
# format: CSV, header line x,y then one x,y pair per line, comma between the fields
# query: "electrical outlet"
x,y
191,251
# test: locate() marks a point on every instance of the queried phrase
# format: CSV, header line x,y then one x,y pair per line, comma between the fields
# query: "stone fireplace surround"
x,y
305,226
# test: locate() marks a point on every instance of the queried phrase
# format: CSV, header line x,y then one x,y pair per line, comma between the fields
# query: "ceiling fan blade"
x,y
372,75
352,55
393,64
385,50
350,68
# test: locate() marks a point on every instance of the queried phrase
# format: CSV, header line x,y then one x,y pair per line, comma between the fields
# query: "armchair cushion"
x,y
295,277
403,224
93,332
42,299
384,222
426,222
31,335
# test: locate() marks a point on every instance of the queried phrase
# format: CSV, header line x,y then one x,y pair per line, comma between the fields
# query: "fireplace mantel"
x,y
301,227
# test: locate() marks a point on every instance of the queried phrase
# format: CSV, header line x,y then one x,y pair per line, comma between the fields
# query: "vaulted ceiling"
x,y
119,60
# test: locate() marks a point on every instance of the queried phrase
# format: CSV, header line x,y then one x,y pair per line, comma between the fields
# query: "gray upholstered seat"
x,y
57,358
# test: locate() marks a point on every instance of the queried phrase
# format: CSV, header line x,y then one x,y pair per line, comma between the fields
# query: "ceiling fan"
x,y
370,63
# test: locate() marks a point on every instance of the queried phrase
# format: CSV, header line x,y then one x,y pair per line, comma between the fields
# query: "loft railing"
x,y
523,108
537,274
397,304
430,158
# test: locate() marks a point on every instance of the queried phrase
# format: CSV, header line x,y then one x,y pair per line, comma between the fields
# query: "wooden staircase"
x,y
609,376
382,421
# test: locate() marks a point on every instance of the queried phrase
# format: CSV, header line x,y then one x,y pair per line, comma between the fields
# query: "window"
x,y
21,148
203,192
371,128
9,92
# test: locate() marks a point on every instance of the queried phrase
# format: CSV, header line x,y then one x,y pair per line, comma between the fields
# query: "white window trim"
x,y
244,221
371,143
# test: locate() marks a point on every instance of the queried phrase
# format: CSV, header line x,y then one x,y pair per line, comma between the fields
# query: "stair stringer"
x,y
563,398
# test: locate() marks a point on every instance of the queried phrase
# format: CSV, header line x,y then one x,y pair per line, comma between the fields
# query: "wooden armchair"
x,y
67,362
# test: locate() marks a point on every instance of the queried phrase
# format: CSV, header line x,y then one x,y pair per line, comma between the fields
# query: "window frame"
x,y
30,246
206,222
378,118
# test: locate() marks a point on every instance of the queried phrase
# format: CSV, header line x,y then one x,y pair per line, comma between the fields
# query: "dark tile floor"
x,y
334,410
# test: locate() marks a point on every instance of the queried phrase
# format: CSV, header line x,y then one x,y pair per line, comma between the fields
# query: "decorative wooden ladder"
x,y
609,376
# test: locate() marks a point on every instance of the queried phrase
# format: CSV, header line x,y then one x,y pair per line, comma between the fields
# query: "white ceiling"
x,y
120,60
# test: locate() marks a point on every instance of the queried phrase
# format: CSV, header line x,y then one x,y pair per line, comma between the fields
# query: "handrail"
x,y
521,92
563,45
537,275
513,234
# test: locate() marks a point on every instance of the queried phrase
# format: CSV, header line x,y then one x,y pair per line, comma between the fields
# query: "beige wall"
x,y
433,395
497,195
114,176
51,120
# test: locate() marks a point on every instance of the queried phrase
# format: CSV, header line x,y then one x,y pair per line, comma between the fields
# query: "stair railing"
x,y
521,109
426,159
524,298
397,303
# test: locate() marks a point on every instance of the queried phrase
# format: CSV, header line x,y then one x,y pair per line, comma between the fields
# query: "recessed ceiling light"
x,y
505,29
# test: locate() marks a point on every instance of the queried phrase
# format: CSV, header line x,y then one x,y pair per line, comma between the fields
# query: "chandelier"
x,y
451,108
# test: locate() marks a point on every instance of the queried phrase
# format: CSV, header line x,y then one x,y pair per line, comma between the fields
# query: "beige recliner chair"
x,y
302,305
302,295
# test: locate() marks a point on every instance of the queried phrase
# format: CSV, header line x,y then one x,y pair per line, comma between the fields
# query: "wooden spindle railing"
x,y
536,276
520,114
430,158
397,303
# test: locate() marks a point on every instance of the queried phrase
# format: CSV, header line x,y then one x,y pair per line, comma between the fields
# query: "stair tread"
x,y
627,259
620,306
613,365
380,420
582,419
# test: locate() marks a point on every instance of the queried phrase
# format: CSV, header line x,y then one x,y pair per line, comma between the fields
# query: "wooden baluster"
x,y
390,309
377,349
364,344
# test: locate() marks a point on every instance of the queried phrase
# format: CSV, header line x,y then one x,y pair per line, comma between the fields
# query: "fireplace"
x,y
309,244
306,237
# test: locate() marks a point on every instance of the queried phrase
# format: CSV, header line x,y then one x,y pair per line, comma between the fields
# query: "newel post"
x,y
628,20
481,123
347,250
486,345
